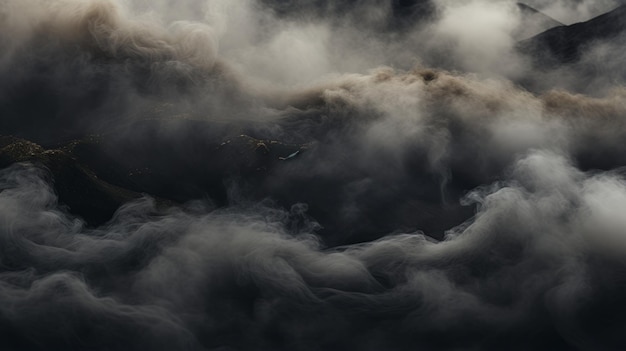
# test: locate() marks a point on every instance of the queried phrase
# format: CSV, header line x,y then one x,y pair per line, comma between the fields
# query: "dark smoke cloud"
x,y
534,267
307,175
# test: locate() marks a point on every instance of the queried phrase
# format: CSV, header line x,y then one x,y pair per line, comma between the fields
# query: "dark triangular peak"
x,y
532,22
565,44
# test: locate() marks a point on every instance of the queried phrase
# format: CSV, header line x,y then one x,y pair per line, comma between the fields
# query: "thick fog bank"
x,y
293,175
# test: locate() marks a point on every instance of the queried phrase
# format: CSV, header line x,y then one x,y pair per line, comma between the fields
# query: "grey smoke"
x,y
429,202
529,259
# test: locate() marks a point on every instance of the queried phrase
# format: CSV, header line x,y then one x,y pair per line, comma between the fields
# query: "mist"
x,y
294,175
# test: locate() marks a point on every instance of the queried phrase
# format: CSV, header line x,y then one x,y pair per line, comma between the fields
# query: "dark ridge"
x,y
565,44
533,22
78,187
95,175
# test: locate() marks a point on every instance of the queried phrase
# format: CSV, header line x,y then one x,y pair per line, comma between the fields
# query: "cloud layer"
x,y
399,177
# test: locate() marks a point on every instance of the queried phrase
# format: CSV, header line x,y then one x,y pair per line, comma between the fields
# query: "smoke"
x,y
307,175
465,27
541,253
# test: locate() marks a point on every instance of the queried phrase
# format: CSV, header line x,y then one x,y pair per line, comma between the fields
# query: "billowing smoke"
x,y
306,175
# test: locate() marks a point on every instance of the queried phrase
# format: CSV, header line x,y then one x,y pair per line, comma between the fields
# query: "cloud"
x,y
311,181
480,33
238,277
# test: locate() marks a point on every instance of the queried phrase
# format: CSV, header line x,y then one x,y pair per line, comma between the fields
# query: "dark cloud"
x,y
538,259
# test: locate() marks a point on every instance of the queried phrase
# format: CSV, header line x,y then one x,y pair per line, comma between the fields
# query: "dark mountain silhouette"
x,y
566,44
533,22
96,174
